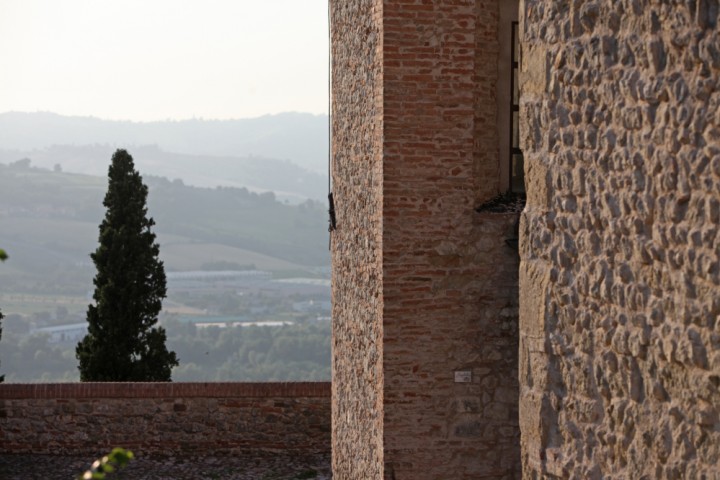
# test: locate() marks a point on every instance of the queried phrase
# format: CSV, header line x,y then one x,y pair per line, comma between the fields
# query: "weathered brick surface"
x,y
449,280
423,285
357,125
164,419
620,273
453,310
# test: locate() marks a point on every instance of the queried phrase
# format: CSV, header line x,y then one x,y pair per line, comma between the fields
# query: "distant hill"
x,y
49,223
301,138
286,179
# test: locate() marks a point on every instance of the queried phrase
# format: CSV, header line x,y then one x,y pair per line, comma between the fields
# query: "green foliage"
x,y
117,459
298,352
3,255
122,343
29,358
253,353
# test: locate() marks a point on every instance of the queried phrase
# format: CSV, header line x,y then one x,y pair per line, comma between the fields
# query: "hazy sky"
x,y
157,59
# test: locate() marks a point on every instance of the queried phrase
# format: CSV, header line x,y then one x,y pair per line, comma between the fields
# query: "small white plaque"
x,y
463,376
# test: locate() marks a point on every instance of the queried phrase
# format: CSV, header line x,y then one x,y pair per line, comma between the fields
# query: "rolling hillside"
x,y
49,219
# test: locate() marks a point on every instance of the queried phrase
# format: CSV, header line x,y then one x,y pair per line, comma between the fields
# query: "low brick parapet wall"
x,y
165,418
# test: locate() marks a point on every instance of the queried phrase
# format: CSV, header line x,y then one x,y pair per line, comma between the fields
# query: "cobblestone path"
x,y
268,467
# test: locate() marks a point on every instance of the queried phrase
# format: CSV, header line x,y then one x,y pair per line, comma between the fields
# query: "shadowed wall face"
x,y
619,277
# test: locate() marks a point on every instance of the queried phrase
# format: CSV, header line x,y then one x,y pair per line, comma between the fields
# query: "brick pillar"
x,y
424,286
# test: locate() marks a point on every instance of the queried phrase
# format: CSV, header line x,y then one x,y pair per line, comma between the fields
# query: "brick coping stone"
x,y
82,390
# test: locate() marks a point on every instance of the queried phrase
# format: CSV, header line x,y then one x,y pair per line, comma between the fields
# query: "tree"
x,y
122,343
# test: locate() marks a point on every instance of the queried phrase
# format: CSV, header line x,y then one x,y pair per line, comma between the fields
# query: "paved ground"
x,y
270,467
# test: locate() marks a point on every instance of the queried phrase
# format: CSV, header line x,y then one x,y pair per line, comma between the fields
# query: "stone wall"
x,y
165,418
620,273
424,286
357,129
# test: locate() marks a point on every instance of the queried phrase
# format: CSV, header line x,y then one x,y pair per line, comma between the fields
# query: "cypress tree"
x,y
122,343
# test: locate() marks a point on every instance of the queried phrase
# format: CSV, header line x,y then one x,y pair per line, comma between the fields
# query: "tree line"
x,y
298,352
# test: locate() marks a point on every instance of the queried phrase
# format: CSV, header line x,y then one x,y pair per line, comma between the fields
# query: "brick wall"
x,y
164,418
424,286
620,272
449,279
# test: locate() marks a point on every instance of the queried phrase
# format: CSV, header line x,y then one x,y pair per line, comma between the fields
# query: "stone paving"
x,y
265,467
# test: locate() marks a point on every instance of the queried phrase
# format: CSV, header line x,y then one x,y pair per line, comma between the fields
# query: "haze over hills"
x,y
298,137
285,153
286,179
55,170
